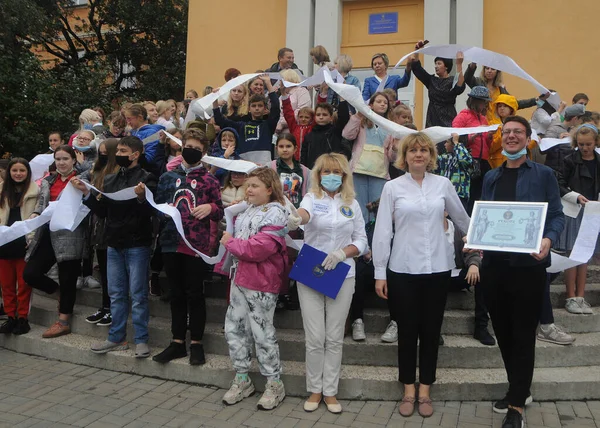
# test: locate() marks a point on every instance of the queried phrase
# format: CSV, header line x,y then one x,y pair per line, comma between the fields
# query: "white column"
x,y
437,31
469,32
299,32
328,26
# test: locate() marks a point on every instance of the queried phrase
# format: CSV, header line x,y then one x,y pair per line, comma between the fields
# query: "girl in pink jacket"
x,y
257,257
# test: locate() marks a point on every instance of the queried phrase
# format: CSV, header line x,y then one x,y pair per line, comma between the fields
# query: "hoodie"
x,y
219,152
495,157
151,148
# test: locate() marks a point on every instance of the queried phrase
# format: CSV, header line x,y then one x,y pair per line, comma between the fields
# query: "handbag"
x,y
476,174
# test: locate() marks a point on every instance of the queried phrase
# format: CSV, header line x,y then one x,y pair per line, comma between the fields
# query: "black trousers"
x,y
458,283
365,281
477,186
186,276
41,262
513,296
420,301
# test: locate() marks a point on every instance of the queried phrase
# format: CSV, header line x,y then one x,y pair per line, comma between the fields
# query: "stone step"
x,y
456,321
356,382
459,351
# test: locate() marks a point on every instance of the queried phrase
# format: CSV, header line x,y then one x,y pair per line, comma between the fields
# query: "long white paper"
x,y
485,57
39,165
548,143
70,211
570,206
206,102
174,138
437,133
560,263
237,165
585,244
22,228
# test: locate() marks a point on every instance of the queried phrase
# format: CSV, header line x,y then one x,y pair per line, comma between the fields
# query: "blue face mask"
x,y
331,182
540,103
515,156
88,126
81,149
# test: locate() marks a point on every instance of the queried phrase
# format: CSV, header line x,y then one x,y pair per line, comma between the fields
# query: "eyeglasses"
x,y
517,132
84,139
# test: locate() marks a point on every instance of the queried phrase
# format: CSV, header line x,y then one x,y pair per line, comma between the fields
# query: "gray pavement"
x,y
36,392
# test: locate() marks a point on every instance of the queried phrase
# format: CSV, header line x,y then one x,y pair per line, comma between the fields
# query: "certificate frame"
x,y
514,227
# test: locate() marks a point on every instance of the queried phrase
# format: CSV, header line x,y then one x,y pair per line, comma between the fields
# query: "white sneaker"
x,y
391,333
91,282
586,308
572,306
554,334
358,330
273,395
80,282
238,391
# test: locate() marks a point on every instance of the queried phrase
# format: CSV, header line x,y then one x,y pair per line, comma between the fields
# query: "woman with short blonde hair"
x,y
335,226
408,142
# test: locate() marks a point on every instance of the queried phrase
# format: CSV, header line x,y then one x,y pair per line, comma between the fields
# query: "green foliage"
x,y
140,42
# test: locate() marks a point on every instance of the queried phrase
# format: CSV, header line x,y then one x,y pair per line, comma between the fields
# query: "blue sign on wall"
x,y
383,23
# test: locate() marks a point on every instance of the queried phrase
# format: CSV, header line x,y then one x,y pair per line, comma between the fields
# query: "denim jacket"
x,y
535,183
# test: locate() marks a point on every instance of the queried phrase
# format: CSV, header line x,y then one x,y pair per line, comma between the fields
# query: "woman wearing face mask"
x,y
442,88
18,196
62,247
85,151
196,194
371,153
104,165
334,225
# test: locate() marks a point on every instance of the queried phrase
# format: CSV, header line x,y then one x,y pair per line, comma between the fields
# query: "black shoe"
x,y
106,320
513,419
501,406
22,327
197,354
8,326
441,340
173,351
96,316
155,285
483,335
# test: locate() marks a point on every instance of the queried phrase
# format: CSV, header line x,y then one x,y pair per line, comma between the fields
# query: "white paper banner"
x,y
174,138
236,165
39,166
437,133
70,210
206,102
317,78
22,228
548,143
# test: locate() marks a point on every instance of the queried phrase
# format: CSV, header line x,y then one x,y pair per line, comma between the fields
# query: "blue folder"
x,y
309,271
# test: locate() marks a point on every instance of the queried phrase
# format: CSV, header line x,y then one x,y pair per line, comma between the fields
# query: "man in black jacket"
x,y
129,238
285,58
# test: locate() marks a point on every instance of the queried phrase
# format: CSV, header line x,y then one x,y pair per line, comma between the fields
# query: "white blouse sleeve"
x,y
455,207
359,234
307,204
382,236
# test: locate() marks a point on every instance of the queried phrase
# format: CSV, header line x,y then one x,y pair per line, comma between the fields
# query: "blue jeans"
x,y
127,270
368,189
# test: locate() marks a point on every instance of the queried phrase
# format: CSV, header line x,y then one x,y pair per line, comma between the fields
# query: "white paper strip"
x,y
70,211
206,102
39,165
548,143
22,228
174,138
438,134
560,263
236,165
317,78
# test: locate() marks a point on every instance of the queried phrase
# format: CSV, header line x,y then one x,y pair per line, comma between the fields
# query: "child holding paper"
x,y
297,127
256,133
257,256
579,181
196,194
225,147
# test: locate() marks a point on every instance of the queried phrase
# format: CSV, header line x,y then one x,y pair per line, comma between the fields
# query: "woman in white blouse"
x,y
414,270
334,225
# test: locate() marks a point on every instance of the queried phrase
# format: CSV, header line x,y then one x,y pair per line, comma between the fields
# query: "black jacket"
x,y
555,156
128,223
326,139
275,68
575,177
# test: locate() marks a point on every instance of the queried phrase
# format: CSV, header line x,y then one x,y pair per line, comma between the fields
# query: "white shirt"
x,y
333,224
416,213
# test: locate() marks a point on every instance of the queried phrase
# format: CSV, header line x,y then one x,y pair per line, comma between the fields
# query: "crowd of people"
x,y
395,210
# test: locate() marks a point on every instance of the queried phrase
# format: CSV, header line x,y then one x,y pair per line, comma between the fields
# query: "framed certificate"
x,y
515,227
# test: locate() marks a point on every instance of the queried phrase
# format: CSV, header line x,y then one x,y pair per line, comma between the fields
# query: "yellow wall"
x,y
360,45
232,33
555,43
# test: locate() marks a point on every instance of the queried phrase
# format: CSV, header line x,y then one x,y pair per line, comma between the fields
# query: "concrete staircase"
x,y
467,370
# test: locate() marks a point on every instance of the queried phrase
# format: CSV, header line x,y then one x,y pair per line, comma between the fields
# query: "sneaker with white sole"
x,y
273,395
238,390
142,350
554,334
586,308
106,320
107,346
572,306
501,406
358,330
91,282
391,333
96,316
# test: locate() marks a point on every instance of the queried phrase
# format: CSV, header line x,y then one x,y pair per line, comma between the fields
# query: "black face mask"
x,y
123,161
191,156
102,160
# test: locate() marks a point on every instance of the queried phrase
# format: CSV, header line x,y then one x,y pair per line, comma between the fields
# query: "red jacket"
x,y
467,118
296,130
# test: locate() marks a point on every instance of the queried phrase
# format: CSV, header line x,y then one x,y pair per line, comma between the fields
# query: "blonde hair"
x,y
410,141
290,76
271,180
89,116
333,160
584,130
344,63
398,110
161,107
497,80
242,106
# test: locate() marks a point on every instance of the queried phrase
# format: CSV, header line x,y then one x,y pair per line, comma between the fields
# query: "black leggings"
x,y
40,262
186,276
365,280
